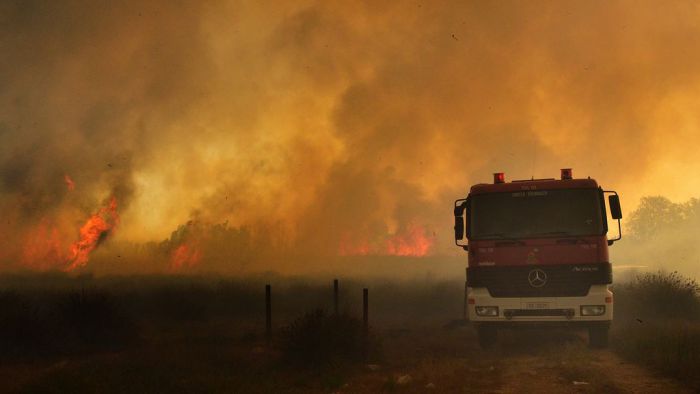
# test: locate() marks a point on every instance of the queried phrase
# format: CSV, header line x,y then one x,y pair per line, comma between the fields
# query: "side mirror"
x,y
615,209
459,221
459,228
615,212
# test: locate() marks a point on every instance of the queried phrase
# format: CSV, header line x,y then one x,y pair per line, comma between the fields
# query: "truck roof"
x,y
535,184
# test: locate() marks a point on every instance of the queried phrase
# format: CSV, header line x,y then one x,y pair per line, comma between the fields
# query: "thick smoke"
x,y
306,127
662,235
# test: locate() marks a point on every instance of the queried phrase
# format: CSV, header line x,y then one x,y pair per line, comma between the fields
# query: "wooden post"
x,y
365,322
268,312
335,296
365,309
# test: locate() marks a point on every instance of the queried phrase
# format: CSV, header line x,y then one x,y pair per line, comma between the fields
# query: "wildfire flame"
x,y
43,248
412,241
185,256
92,233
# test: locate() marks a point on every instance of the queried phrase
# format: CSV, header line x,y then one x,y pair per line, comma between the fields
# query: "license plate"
x,y
537,305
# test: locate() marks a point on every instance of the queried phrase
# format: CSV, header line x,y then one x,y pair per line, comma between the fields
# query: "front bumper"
x,y
540,309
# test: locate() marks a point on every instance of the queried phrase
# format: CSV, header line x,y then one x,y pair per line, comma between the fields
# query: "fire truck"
x,y
538,254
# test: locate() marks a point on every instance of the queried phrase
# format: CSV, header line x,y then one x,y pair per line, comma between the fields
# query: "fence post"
x,y
365,322
365,309
268,312
335,296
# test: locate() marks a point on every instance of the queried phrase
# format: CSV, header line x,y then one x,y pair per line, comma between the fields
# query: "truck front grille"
x,y
561,280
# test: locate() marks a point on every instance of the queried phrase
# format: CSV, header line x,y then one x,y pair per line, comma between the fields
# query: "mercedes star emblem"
x,y
537,278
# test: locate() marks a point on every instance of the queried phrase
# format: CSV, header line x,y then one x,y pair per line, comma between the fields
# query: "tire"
x,y
598,336
488,336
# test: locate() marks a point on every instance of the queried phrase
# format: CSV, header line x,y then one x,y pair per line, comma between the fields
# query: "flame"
x,y
69,182
411,241
42,249
185,256
92,233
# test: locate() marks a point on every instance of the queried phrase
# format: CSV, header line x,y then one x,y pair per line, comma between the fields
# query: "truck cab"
x,y
538,254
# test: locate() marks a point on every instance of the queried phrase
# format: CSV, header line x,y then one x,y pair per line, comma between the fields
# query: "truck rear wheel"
x,y
598,336
487,336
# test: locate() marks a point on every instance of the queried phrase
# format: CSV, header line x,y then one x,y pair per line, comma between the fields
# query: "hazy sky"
x,y
350,120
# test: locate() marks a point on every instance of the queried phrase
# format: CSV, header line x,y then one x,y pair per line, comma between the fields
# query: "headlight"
x,y
486,310
592,310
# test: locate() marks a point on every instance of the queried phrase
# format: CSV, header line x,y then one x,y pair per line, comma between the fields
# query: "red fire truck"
x,y
538,254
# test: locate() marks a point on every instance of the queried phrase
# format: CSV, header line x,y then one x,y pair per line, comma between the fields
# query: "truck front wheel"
x,y
487,336
598,336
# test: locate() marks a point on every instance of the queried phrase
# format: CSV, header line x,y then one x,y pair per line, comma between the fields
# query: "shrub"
x,y
317,338
659,295
657,324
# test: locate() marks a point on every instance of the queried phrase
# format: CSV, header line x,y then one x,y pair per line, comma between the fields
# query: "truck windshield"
x,y
536,213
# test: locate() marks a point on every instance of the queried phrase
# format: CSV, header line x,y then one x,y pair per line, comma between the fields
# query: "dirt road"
x,y
523,362
596,371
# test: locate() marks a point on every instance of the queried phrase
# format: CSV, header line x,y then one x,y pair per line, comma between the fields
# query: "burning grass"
x,y
46,247
412,240
92,233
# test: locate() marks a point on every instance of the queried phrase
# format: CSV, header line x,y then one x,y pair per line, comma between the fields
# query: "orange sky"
x,y
354,118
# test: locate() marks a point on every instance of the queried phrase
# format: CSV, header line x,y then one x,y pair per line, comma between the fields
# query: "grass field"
x,y
657,323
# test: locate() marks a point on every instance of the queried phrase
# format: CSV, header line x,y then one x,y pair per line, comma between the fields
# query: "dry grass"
x,y
154,334
193,334
658,324
671,347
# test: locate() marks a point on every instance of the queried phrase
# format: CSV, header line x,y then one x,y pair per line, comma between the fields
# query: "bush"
x,y
659,295
317,338
657,324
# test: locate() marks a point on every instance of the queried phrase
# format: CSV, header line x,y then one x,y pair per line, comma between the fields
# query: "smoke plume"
x,y
313,129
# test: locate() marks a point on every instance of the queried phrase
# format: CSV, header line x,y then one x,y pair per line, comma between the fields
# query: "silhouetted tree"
x,y
657,214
